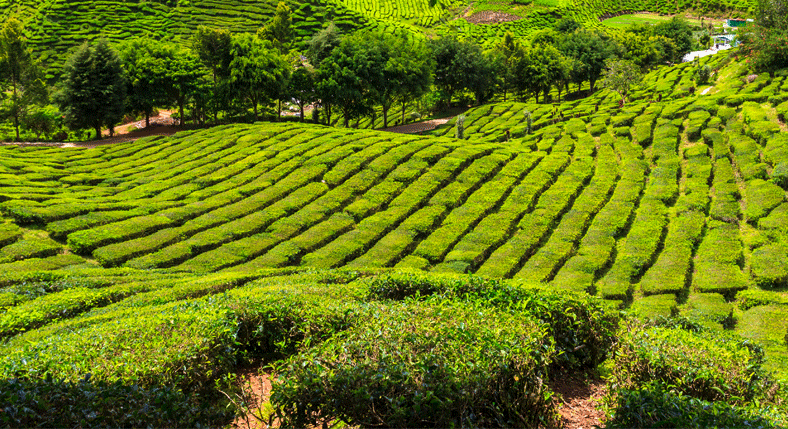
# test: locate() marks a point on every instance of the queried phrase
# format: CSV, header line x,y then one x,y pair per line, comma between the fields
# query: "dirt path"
x,y
164,118
579,402
418,127
161,125
578,406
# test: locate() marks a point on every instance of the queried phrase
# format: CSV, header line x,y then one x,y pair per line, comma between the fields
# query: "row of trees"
x,y
224,76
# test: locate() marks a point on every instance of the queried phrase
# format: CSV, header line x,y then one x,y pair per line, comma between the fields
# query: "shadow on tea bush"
x,y
582,326
51,403
702,364
443,364
656,405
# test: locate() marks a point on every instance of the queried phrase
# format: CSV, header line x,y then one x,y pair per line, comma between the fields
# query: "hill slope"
x,y
55,26
661,204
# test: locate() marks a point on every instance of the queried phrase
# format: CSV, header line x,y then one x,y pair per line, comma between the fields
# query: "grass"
x,y
624,21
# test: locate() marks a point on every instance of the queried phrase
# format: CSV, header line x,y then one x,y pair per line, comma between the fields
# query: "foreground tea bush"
x,y
51,403
582,326
418,365
656,405
700,364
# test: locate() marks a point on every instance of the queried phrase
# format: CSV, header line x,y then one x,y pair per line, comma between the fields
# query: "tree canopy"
x,y
93,89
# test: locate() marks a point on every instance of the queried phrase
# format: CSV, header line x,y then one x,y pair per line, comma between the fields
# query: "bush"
x,y
410,365
85,403
583,328
780,175
656,405
699,364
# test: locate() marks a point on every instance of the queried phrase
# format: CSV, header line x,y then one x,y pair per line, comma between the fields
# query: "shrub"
x,y
769,266
702,365
411,365
86,403
657,405
780,175
581,325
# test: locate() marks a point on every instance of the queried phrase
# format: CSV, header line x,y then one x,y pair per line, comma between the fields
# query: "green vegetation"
x,y
595,213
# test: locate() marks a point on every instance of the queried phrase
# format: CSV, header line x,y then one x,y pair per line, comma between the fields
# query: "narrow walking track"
x,y
418,127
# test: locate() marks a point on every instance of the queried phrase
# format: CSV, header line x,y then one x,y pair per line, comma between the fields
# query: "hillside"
x,y
662,206
55,26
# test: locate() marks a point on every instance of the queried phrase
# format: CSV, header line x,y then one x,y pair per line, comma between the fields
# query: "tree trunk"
x,y
111,130
278,110
216,110
16,111
301,106
385,118
147,119
345,119
181,102
404,103
254,104
16,123
98,132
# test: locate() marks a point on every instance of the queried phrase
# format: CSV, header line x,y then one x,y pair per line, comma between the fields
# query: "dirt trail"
x,y
164,118
160,125
418,127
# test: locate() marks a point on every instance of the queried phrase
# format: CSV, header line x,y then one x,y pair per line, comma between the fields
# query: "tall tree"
x,y
349,77
620,76
93,87
590,50
322,43
766,42
507,51
258,73
279,29
396,69
213,47
19,73
183,76
457,63
145,81
680,33
301,87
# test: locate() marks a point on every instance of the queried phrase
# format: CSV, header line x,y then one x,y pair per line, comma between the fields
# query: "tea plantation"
x,y
56,26
152,271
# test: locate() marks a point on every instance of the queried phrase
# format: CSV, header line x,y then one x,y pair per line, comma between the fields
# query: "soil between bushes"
x,y
578,405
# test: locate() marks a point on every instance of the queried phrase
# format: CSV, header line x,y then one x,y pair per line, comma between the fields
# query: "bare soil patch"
x,y
491,17
418,127
579,400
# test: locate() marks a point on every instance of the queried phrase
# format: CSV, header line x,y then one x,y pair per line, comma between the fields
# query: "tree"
x,y
350,76
590,51
279,29
416,61
773,14
42,120
766,44
457,63
110,79
258,73
679,32
212,46
322,43
620,76
507,52
144,79
93,88
301,87
396,69
183,76
644,48
19,73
